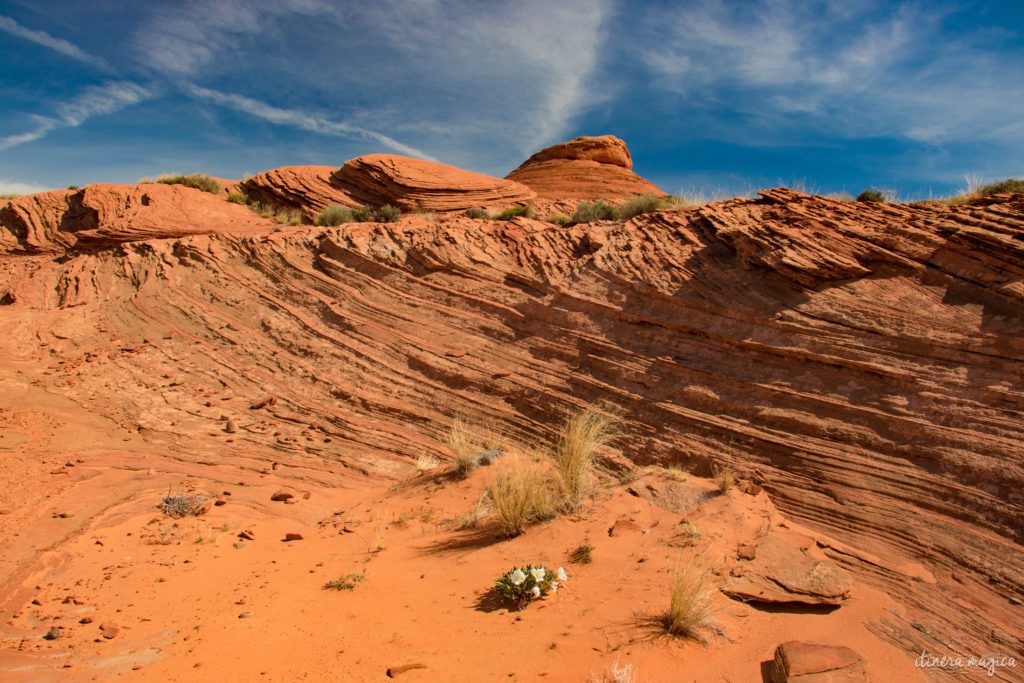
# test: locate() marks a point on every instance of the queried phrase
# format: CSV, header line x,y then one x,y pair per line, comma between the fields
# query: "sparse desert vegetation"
x,y
335,214
591,212
522,492
198,181
582,435
692,600
514,212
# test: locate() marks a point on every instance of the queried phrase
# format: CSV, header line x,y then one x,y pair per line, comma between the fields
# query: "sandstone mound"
x,y
106,214
583,168
378,179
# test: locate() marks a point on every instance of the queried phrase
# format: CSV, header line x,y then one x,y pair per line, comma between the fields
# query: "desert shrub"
x,y
335,214
558,219
840,196
588,212
519,586
476,212
582,435
521,493
362,214
674,201
724,478
344,583
387,214
1008,185
640,204
181,505
238,197
876,196
692,600
11,196
196,180
509,214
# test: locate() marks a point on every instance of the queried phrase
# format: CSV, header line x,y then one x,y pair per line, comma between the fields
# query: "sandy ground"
x,y
189,599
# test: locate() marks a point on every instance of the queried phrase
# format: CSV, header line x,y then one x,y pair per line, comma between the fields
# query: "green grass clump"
x,y
559,219
582,435
9,196
589,212
196,180
362,214
876,196
238,197
1002,186
335,214
509,214
477,213
387,214
640,204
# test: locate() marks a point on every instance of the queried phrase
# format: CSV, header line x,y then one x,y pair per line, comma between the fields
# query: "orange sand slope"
x,y
861,368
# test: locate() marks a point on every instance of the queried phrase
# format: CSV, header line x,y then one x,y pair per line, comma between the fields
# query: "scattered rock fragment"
x,y
231,427
109,630
623,526
264,402
282,496
747,551
797,662
247,534
52,634
292,536
394,671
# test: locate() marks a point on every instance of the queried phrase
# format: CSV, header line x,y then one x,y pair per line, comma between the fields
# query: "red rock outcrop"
x,y
105,214
378,179
585,168
862,363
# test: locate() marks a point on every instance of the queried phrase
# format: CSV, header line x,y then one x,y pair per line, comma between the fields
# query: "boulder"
x,y
797,662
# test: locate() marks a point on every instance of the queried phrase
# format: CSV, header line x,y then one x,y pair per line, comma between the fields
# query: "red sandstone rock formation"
x,y
106,214
378,179
862,363
584,168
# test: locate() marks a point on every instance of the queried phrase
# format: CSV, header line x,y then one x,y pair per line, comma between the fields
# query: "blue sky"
x,y
715,96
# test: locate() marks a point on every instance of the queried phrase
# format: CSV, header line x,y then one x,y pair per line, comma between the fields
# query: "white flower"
x,y
538,573
517,577
536,591
562,576
554,587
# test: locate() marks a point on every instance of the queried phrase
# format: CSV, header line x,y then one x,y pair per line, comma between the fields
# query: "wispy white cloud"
x,y
46,40
93,101
849,70
300,119
457,75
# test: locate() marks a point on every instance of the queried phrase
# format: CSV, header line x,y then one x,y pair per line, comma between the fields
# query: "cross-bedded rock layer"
x,y
863,363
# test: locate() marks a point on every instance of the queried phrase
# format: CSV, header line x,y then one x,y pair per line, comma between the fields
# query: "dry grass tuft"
x,y
521,492
427,462
615,674
582,435
462,441
725,478
691,607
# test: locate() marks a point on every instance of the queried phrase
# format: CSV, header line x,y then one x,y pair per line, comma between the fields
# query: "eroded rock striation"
x,y
863,364
106,214
378,179
585,168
